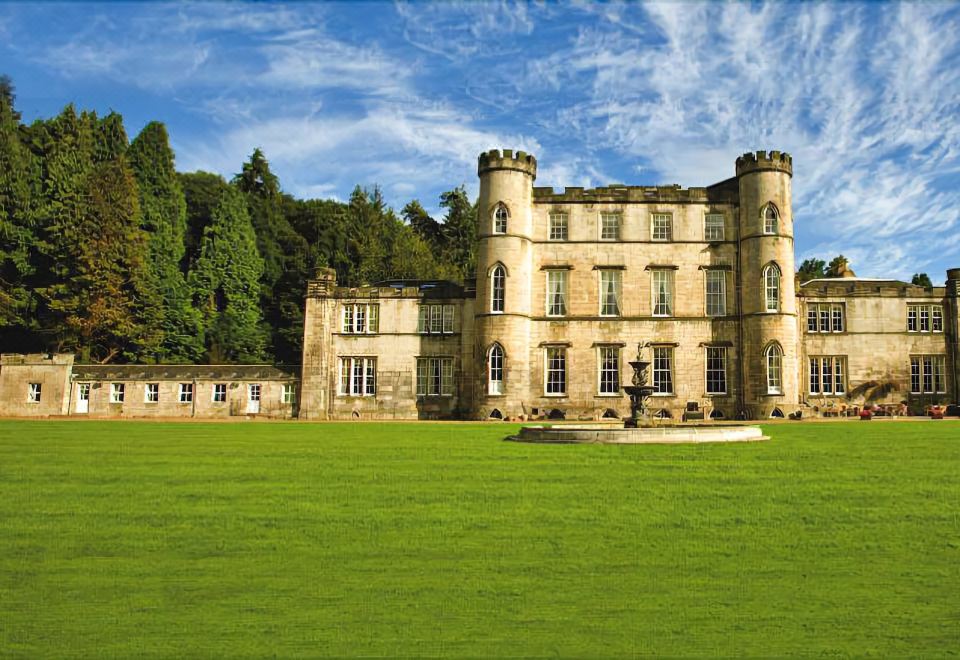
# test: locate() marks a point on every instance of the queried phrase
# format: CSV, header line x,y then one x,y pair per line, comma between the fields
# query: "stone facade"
x,y
569,285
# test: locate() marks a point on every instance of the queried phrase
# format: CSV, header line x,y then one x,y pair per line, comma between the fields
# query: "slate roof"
x,y
245,372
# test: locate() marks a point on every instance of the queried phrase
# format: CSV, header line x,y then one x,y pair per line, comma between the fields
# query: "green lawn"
x,y
129,539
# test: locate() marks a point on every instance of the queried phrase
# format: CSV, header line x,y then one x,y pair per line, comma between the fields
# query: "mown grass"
x,y
131,539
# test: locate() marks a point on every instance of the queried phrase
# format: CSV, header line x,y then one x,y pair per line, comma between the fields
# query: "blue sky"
x,y
405,95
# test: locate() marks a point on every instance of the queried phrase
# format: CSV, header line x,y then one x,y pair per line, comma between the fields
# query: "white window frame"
x,y
608,277
219,393
557,292
185,393
925,318
360,319
716,300
151,393
555,371
827,375
773,357
608,370
498,289
558,228
610,223
771,225
661,227
357,376
662,371
929,368
501,219
715,376
254,392
496,364
661,293
435,376
435,319
713,227
117,392
288,393
34,392
772,287
826,318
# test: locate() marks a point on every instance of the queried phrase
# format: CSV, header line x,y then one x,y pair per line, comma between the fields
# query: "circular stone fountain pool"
x,y
611,435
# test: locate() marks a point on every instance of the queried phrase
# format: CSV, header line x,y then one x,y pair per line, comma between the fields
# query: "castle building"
x,y
569,286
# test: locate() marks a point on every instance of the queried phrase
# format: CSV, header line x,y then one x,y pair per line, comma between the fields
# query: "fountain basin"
x,y
607,435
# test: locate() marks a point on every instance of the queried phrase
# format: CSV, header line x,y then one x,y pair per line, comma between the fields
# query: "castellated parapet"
x,y
761,161
506,160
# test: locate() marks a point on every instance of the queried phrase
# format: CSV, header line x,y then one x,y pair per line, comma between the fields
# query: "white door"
x,y
253,398
83,397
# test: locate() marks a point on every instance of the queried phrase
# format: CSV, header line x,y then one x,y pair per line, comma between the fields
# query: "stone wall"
x,y
50,372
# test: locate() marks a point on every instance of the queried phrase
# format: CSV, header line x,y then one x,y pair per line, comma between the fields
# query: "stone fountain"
x,y
637,428
638,392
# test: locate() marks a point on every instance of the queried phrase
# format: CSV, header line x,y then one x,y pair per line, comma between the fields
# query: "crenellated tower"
x,y
504,276
767,291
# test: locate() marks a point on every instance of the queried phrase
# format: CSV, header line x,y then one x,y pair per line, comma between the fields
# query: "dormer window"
x,y
500,217
771,219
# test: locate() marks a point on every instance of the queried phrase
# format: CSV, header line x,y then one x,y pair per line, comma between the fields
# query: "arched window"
x,y
495,372
771,219
774,355
771,287
498,283
500,217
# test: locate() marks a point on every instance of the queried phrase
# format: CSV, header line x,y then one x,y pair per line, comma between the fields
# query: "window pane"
x,y
937,318
837,312
772,287
448,318
716,370
662,292
663,370
609,370
814,375
348,318
713,227
610,283
716,293
556,293
556,370
609,226
811,318
558,226
498,284
662,227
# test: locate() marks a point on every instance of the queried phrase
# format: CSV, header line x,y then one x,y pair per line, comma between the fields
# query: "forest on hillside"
x,y
108,252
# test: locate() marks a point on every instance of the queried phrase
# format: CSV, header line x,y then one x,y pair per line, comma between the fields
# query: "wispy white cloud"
x,y
457,30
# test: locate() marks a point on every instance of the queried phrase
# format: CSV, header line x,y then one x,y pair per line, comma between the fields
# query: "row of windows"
x,y
828,374
151,392
358,376
661,291
362,318
830,317
661,224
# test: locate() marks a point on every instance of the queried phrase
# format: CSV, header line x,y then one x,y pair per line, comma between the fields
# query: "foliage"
x,y
163,209
107,251
921,279
811,269
226,282
442,540
837,265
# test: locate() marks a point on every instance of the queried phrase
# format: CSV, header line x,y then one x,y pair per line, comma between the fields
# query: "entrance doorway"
x,y
83,398
253,398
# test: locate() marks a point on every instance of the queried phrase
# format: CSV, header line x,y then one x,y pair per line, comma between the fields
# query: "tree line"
x,y
815,268
109,252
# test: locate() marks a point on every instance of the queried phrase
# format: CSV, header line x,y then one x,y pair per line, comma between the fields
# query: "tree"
x,y
17,196
921,279
460,231
163,217
811,269
226,283
285,257
837,266
426,227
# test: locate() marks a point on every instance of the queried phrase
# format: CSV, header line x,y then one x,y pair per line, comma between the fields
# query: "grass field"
x,y
129,539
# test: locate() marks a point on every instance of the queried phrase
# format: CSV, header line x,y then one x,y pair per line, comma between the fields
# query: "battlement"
x,y
506,160
618,193
761,161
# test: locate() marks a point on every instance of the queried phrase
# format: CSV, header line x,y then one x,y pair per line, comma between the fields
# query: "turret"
x,y
767,291
504,275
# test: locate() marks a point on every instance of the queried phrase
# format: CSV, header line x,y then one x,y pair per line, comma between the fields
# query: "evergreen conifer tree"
x,y
163,217
226,283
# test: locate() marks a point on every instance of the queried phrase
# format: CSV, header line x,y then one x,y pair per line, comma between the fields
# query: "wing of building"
x,y
570,287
